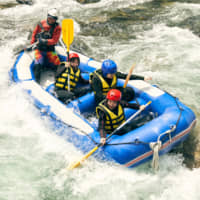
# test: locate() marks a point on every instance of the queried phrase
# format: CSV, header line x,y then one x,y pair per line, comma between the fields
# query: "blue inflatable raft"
x,y
170,124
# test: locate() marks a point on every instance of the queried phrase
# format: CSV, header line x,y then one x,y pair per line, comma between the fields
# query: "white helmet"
x,y
53,13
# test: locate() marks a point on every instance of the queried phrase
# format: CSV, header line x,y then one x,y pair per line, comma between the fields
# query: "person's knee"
x,y
53,58
128,94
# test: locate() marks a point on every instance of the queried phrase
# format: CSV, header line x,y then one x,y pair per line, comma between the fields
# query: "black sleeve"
x,y
102,118
60,70
97,88
126,104
133,76
82,80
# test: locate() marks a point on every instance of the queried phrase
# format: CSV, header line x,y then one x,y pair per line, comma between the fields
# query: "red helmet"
x,y
74,56
114,95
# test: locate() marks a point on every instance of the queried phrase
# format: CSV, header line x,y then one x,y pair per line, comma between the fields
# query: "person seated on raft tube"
x,y
111,114
65,90
46,34
104,79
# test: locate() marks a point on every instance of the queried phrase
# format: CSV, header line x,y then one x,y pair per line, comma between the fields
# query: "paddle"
x,y
68,37
128,76
76,164
28,48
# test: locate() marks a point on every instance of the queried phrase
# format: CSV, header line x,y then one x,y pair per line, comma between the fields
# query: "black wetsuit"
x,y
125,129
127,93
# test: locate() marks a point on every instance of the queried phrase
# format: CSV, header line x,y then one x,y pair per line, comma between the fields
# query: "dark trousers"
x,y
127,93
127,128
38,69
64,95
135,123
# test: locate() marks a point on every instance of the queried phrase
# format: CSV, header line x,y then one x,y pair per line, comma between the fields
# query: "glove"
x,y
42,41
28,48
103,141
142,107
147,78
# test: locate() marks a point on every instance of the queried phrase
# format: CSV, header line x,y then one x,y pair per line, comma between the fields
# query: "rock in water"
x,y
87,1
29,2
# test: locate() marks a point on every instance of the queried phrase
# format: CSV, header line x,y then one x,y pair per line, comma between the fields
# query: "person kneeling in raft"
x,y
111,114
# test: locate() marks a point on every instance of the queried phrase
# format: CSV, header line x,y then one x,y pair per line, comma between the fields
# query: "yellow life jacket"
x,y
112,120
105,86
62,80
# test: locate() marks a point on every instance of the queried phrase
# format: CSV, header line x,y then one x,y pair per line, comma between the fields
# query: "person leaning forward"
x,y
104,79
66,88
111,114
46,35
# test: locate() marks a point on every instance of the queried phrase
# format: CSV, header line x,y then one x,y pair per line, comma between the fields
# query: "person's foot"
x,y
36,71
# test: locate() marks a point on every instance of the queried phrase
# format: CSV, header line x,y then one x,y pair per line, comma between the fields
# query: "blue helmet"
x,y
108,67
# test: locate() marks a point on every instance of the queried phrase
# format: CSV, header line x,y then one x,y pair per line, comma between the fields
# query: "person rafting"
x,y
104,79
68,76
110,113
46,35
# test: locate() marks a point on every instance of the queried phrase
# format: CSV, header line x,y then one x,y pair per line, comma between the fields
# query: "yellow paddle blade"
x,y
76,164
67,32
128,76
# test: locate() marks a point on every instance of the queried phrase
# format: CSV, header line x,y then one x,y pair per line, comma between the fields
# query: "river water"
x,y
160,37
